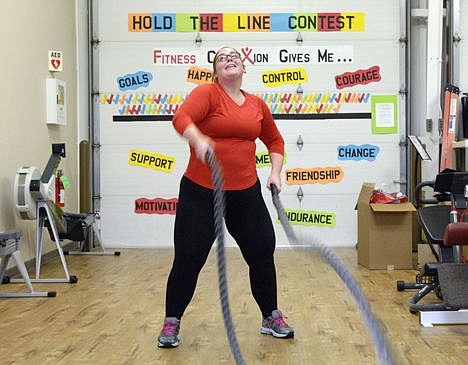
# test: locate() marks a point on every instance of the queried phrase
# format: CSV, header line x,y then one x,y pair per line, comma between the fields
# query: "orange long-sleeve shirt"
x,y
234,130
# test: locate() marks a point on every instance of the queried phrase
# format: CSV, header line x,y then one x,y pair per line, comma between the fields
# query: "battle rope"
x,y
218,202
383,354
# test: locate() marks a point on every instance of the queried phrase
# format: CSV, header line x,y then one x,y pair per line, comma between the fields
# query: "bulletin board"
x,y
330,72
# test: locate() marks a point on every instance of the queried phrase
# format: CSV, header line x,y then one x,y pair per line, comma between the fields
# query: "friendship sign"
x,y
313,176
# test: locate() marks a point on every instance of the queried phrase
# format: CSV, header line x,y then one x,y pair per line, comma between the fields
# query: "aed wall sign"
x,y
55,61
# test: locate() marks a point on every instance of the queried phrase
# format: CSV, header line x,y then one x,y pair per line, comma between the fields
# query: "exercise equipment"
x,y
445,226
34,196
382,351
82,228
218,203
87,225
464,104
449,126
10,247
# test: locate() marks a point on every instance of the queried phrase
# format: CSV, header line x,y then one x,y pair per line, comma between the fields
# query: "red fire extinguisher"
x,y
59,190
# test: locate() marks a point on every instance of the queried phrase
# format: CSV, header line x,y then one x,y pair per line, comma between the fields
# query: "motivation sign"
x,y
156,206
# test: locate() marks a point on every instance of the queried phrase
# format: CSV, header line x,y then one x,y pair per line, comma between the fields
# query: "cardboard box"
x,y
425,255
385,233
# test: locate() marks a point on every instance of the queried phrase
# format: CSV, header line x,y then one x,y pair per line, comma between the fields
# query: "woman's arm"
x,y
276,167
199,141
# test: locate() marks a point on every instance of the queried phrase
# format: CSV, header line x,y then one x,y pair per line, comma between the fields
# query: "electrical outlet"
x,y
428,125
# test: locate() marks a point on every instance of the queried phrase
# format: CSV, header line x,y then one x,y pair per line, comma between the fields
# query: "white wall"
x,y
122,52
28,30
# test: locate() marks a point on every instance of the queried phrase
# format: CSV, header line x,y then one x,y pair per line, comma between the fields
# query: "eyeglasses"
x,y
224,57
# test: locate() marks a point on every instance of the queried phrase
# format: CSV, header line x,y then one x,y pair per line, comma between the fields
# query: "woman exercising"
x,y
223,117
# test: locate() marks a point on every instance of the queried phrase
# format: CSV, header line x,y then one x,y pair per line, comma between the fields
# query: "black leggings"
x,y
247,220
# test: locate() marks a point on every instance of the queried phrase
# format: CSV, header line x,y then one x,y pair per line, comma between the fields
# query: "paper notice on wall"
x,y
384,114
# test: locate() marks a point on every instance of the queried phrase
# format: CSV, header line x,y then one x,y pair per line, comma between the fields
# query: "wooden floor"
x,y
115,311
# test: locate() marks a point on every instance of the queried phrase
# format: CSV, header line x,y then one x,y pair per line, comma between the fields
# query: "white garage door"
x,y
330,71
